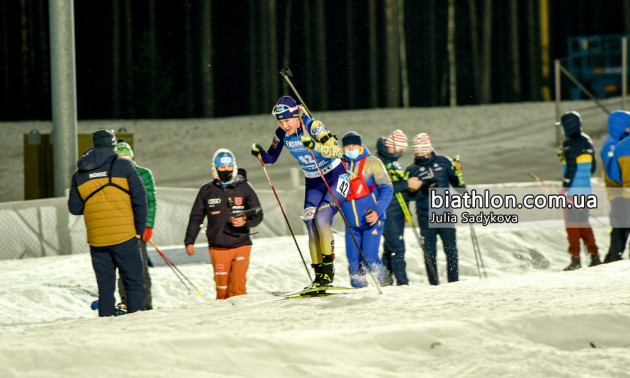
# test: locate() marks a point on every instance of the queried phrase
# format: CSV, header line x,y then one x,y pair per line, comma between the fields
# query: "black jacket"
x,y
213,201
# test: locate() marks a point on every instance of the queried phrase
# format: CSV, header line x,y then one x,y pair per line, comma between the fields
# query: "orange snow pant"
x,y
578,227
230,268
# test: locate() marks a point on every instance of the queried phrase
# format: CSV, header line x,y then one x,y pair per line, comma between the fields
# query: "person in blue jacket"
x,y
370,194
432,170
618,129
578,165
389,150
303,135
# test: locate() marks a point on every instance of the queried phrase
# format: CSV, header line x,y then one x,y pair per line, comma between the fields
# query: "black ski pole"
x,y
285,218
176,270
477,251
284,74
409,219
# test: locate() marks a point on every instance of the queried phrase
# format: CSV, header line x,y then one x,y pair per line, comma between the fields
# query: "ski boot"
x,y
324,273
121,309
575,264
594,260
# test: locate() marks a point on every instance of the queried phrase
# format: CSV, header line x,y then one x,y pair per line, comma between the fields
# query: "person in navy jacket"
x,y
389,150
432,170
578,165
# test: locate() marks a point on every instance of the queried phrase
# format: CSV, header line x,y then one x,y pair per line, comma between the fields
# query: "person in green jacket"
x,y
124,151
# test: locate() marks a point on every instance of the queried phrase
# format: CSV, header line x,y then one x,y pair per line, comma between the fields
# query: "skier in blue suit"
x,y
301,133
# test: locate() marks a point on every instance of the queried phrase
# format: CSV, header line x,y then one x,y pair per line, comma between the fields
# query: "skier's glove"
x,y
148,233
560,153
257,149
308,142
396,174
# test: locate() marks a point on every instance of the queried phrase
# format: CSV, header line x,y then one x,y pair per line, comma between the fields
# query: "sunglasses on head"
x,y
281,108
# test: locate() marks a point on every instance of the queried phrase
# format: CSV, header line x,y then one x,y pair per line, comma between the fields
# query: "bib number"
x,y
343,186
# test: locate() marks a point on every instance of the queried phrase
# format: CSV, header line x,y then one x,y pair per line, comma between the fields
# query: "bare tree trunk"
x,y
116,59
322,79
274,76
626,16
308,50
25,48
434,80
43,65
255,105
516,61
474,40
532,48
188,61
373,55
207,83
350,51
287,42
402,48
452,72
544,49
265,51
129,92
153,66
392,70
6,86
486,62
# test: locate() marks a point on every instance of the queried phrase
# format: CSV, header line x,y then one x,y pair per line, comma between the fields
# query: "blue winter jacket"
x,y
579,159
376,177
618,121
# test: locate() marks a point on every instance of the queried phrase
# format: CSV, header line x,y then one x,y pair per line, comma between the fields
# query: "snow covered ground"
x,y
528,318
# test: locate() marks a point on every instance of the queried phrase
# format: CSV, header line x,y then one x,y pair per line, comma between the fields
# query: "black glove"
x,y
426,184
257,149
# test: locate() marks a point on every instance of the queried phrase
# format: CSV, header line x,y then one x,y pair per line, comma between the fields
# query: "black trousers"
x,y
126,258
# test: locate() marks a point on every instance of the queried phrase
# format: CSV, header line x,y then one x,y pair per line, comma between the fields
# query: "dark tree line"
x,y
204,58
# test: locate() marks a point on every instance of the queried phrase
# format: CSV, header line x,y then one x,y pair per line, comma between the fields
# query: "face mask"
x,y
397,155
225,176
352,154
422,159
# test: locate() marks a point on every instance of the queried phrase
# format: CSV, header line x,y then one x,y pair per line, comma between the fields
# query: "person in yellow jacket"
x,y
109,193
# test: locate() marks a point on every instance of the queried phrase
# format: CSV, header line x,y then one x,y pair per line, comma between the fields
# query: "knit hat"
x,y
351,137
422,144
286,108
396,140
103,138
123,148
224,158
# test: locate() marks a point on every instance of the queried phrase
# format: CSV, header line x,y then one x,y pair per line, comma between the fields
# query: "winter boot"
x,y
595,260
612,257
575,264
